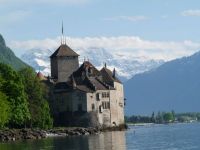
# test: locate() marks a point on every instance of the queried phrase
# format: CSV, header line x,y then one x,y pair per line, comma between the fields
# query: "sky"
x,y
160,29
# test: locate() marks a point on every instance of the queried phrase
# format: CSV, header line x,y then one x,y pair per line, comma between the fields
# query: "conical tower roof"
x,y
64,51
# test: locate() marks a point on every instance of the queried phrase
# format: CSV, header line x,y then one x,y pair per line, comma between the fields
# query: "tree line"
x,y
23,99
163,117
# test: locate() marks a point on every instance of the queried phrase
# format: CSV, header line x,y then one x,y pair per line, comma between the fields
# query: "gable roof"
x,y
64,50
87,68
107,76
89,79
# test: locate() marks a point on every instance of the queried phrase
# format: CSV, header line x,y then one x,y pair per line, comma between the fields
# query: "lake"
x,y
150,137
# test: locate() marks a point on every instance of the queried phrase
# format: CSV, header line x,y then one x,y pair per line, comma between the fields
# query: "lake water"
x,y
152,137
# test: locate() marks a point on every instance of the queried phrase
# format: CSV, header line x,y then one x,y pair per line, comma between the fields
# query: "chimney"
x,y
86,71
114,73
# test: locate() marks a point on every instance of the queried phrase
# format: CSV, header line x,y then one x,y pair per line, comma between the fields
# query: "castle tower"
x,y
64,61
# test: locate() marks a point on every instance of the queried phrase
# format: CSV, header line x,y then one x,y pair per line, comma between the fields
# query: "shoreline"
x,y
27,134
150,124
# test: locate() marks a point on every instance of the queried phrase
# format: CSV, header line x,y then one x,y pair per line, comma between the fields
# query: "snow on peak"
x,y
126,64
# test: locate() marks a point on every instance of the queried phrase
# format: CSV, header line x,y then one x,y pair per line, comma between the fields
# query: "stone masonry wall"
x,y
67,65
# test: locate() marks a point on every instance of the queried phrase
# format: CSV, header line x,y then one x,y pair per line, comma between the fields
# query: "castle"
x,y
83,95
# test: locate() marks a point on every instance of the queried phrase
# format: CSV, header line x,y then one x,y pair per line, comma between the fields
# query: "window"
x,y
120,104
98,96
93,107
100,110
108,94
105,94
106,105
90,70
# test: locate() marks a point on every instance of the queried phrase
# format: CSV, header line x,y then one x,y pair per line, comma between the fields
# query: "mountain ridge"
x,y
7,56
172,86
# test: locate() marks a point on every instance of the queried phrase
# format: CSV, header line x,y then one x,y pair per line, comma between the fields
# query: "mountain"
x,y
8,57
174,85
38,59
126,65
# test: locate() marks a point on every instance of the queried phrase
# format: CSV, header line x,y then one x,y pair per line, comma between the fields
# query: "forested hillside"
x,y
8,57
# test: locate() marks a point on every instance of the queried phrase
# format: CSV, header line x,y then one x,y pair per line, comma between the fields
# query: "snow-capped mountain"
x,y
38,59
126,64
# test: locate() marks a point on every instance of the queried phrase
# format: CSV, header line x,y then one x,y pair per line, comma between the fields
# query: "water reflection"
x,y
108,141
104,141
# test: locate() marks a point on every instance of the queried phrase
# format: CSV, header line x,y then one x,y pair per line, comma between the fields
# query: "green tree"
x,y
4,110
13,88
159,117
168,117
46,121
37,95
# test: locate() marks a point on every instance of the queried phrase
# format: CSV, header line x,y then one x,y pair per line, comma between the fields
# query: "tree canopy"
x,y
23,99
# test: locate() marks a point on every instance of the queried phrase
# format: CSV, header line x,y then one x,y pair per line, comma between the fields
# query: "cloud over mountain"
x,y
165,50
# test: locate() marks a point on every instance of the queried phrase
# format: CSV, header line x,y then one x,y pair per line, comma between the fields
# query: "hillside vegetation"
x,y
8,57
23,99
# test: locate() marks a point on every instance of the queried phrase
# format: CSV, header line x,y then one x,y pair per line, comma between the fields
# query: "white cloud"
x,y
127,18
43,1
191,13
127,45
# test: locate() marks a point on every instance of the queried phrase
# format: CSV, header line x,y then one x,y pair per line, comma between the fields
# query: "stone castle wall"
x,y
119,102
67,65
54,68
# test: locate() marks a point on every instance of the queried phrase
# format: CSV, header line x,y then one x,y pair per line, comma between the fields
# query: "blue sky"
x,y
155,21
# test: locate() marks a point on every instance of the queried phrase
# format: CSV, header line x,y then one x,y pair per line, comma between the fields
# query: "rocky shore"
x,y
25,134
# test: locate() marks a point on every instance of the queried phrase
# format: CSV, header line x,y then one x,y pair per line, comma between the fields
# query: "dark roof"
x,y
97,84
64,50
84,88
107,75
87,68
88,79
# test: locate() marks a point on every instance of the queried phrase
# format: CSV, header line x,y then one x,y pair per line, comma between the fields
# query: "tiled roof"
x,y
84,88
88,79
98,85
107,75
87,68
64,50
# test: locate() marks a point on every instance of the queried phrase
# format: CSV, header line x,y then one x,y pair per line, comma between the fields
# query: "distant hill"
x,y
174,85
8,57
